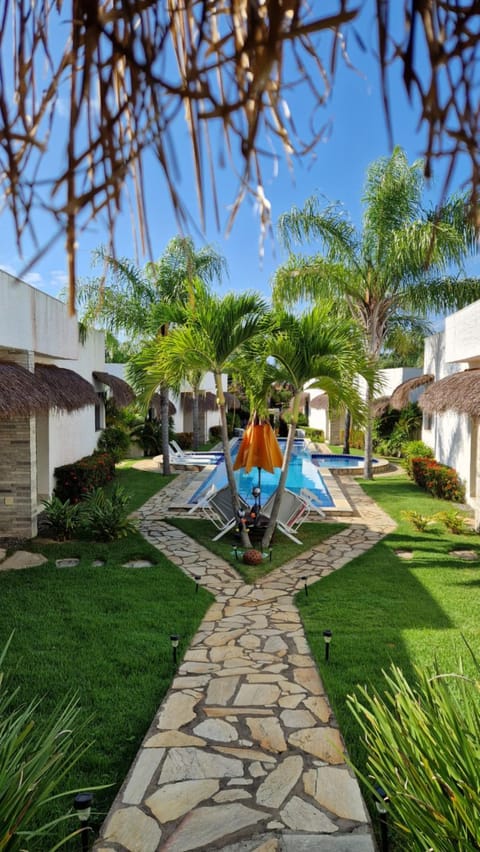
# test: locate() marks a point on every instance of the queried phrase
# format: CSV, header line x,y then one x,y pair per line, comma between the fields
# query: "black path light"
x,y
382,816
327,638
305,585
174,639
197,579
83,806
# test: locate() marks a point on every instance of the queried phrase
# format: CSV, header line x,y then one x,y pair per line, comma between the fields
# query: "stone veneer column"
x,y
18,468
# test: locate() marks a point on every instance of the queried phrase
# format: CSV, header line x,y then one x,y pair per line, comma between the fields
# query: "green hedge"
x,y
438,479
75,481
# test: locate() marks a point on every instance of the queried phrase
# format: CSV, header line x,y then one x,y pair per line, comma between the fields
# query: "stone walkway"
x,y
244,753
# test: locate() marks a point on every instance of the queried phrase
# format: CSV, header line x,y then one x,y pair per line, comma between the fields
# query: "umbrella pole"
x,y
259,487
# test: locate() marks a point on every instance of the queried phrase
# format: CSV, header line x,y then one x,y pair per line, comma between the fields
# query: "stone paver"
x,y
22,559
245,754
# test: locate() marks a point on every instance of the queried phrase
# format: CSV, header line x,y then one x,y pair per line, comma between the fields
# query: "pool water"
x,y
302,473
330,460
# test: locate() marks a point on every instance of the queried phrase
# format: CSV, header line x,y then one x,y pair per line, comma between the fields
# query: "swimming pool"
x,y
302,473
331,460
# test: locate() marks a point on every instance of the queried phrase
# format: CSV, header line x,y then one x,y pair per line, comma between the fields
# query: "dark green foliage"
x,y
75,481
215,433
149,435
114,440
185,440
62,518
395,429
414,449
105,517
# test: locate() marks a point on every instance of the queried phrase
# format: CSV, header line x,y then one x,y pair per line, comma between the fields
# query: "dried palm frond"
x,y
118,83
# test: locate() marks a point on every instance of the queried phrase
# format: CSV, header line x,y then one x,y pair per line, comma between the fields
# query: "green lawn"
x,y
382,609
283,549
104,633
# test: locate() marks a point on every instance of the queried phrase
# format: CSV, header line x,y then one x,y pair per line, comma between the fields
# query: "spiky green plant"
x,y
423,743
419,521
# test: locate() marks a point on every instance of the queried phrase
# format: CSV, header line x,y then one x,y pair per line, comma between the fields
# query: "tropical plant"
x,y
114,440
213,335
414,449
422,741
456,522
133,300
397,267
321,349
105,517
419,521
62,516
35,758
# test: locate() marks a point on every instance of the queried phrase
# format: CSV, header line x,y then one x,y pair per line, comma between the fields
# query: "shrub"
x,y
75,481
185,440
438,479
455,522
106,518
421,742
63,518
35,757
149,435
215,433
419,521
316,435
114,440
416,449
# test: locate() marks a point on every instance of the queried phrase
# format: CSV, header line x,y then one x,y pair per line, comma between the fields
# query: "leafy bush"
x,y
455,522
422,744
63,518
75,481
215,433
106,518
149,435
416,449
114,440
316,435
438,479
35,757
185,440
419,521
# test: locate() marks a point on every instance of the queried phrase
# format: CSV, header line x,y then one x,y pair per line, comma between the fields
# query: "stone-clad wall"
x,y
17,478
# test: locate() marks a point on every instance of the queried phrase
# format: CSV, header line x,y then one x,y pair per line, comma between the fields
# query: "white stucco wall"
x,y
32,321
462,335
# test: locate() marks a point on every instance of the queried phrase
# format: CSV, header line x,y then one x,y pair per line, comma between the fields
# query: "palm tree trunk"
x,y
368,469
195,419
268,534
346,437
164,406
244,537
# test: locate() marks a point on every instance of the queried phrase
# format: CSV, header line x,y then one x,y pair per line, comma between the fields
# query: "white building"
x,y
51,399
451,404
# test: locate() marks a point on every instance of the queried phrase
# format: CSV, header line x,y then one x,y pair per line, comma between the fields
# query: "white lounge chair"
x,y
177,450
191,459
218,508
312,502
292,513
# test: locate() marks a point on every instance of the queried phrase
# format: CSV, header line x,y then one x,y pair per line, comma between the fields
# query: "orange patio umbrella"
x,y
259,448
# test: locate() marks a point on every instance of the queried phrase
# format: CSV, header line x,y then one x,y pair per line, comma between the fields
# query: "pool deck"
x,y
244,753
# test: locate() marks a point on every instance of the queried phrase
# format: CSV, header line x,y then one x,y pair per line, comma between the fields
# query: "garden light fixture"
x,y
305,585
174,639
382,816
197,581
83,806
327,638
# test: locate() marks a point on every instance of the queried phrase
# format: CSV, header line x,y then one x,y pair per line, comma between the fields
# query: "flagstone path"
x,y
244,753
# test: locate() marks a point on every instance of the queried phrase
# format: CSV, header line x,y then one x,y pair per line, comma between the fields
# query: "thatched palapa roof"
x,y
22,393
380,405
232,400
401,395
458,392
320,402
122,393
68,391
156,404
206,402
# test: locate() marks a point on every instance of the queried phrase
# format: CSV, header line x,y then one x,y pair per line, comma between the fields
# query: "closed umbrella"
x,y
259,448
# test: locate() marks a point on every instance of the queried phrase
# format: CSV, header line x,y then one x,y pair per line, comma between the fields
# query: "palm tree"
x,y
397,265
319,349
211,338
133,300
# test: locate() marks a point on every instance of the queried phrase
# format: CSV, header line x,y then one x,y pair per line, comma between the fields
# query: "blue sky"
x,y
357,135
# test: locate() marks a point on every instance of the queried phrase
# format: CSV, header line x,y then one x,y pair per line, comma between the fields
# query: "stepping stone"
x,y
22,559
3,554
138,563
206,825
67,563
97,563
404,554
175,800
467,555
132,829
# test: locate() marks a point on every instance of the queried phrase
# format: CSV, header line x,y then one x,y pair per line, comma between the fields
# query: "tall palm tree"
x,y
133,299
324,351
212,337
398,264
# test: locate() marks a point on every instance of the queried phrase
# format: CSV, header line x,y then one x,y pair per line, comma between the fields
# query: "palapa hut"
x,y
458,392
121,393
402,395
22,394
